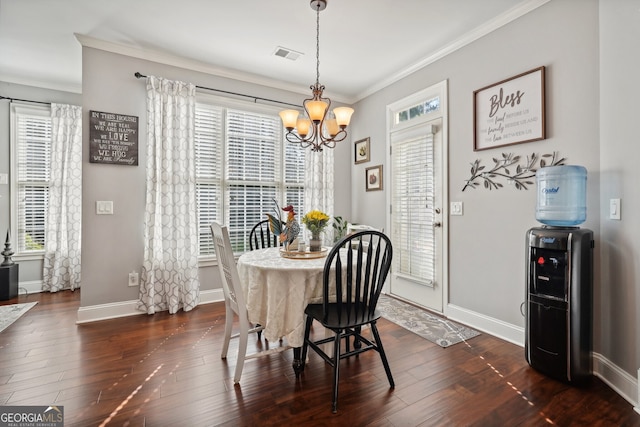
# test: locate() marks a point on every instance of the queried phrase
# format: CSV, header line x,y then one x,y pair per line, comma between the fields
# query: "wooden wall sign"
x,y
510,111
113,138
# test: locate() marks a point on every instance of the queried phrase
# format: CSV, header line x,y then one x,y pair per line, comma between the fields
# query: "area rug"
x,y
11,313
436,329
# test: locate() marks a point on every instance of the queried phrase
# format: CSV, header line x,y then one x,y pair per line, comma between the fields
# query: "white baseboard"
x,y
93,313
32,287
618,379
637,407
495,327
112,310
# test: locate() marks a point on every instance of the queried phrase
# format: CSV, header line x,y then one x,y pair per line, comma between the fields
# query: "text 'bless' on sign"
x,y
113,138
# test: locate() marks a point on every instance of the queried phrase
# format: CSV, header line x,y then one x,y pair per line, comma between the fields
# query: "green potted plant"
x,y
339,228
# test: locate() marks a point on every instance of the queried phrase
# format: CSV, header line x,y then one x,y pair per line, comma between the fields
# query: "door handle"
x,y
437,224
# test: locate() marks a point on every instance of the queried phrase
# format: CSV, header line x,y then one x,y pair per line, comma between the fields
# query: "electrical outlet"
x,y
133,278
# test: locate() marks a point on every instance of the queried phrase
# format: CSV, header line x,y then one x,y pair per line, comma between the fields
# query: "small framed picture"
x,y
361,148
374,178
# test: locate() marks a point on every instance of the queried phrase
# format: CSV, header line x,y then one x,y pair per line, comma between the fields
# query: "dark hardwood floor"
x,y
165,370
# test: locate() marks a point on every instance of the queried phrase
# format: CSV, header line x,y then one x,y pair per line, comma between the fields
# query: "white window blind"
x,y
413,208
32,144
243,164
208,146
253,171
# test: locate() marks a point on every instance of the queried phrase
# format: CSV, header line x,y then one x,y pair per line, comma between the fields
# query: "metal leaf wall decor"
x,y
503,167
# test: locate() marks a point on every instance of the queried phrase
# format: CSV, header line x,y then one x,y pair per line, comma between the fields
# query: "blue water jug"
x,y
562,195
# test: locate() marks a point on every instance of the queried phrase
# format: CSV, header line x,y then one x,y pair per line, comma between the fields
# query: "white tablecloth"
x,y
277,291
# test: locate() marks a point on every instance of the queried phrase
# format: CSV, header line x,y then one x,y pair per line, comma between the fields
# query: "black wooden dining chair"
x,y
354,273
261,236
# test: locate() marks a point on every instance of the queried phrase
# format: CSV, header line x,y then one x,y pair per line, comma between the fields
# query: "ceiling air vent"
x,y
284,52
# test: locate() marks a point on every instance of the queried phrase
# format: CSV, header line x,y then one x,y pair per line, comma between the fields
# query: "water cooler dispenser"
x,y
559,276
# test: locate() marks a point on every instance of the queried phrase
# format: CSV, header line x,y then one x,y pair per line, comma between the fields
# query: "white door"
x,y
417,198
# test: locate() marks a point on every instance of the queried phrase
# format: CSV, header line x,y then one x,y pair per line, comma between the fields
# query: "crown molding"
x,y
468,38
189,64
41,84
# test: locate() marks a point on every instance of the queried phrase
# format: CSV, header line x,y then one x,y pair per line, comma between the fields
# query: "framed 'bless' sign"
x,y
510,111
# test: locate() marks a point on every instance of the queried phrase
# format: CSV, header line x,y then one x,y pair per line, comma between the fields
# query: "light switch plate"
x,y
4,178
456,208
614,208
104,207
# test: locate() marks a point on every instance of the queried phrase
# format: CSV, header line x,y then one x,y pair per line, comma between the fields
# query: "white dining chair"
x,y
354,228
234,301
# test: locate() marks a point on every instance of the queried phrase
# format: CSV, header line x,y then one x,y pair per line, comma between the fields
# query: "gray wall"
x,y
112,245
487,243
619,246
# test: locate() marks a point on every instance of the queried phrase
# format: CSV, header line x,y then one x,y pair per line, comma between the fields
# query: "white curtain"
x,y
61,267
319,188
170,268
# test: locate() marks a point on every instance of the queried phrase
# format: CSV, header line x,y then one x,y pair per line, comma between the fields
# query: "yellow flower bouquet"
x,y
315,221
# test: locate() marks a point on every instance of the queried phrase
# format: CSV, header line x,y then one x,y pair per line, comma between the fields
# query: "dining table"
x,y
278,286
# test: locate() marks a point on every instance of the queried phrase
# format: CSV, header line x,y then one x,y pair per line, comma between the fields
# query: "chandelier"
x,y
317,127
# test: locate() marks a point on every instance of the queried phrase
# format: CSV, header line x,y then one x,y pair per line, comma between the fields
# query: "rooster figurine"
x,y
287,231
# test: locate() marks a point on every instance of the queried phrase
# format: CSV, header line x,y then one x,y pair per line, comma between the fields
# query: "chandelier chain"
x,y
318,44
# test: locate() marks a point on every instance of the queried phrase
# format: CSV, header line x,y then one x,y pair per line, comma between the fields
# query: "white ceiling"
x,y
364,44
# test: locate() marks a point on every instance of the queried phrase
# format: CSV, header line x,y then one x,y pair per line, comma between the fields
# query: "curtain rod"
x,y
255,98
24,100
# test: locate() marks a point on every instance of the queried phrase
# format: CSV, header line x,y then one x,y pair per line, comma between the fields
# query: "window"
x,y
31,154
243,164
420,109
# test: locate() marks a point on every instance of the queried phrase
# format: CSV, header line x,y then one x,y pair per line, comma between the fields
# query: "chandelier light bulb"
x,y
303,125
317,110
343,116
289,118
331,125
